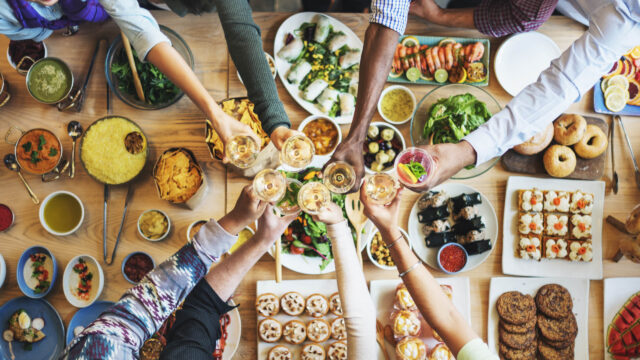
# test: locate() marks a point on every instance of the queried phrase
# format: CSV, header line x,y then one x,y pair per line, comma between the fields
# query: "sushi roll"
x,y
430,214
298,71
465,200
323,29
465,226
432,199
347,104
471,236
437,226
338,41
466,213
477,247
314,89
349,59
439,239
292,50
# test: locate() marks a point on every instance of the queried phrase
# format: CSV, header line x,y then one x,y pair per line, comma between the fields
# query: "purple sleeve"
x,y
503,17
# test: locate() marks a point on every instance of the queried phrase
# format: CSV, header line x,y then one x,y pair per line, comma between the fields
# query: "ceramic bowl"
x,y
372,259
21,276
166,232
413,104
70,281
44,204
127,258
466,258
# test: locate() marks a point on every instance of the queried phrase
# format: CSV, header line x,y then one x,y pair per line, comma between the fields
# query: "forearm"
x,y
461,18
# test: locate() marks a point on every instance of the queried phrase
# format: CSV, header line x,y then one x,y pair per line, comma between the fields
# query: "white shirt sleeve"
x,y
611,33
476,349
359,312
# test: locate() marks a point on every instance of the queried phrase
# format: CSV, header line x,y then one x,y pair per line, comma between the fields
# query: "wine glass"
x,y
289,203
339,177
270,185
313,196
242,151
381,188
297,151
414,166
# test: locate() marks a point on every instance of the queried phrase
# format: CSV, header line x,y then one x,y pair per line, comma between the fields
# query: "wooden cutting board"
x,y
586,169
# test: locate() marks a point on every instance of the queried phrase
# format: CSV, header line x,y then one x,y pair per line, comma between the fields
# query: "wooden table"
x,y
216,70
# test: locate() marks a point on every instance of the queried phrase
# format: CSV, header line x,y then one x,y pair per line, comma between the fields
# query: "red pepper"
x,y
306,239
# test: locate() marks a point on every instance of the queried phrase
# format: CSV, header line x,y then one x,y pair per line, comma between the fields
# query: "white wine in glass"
x,y
242,151
313,196
339,177
381,188
289,203
270,185
297,151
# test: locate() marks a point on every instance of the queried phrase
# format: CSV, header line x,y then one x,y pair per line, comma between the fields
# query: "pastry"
x,y
338,329
404,301
569,129
528,353
447,290
411,348
555,248
580,227
337,351
556,225
520,329
405,323
530,200
530,223
517,340
580,251
294,332
516,308
559,161
280,352
581,203
335,305
554,301
593,143
547,352
556,201
632,224
292,303
536,143
317,305
564,329
441,352
318,330
269,330
267,305
313,352
530,247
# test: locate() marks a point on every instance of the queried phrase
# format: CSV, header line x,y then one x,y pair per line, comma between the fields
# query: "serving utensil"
x,y
12,164
132,65
124,215
104,222
633,156
355,213
57,172
7,335
75,131
614,176
380,338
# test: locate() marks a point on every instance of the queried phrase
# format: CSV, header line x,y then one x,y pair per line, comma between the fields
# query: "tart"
x,y
294,332
269,330
441,352
530,248
580,251
280,352
317,305
411,348
556,201
337,351
267,305
530,200
338,329
318,330
313,352
556,225
335,304
530,223
581,203
404,301
405,323
292,303
580,227
555,248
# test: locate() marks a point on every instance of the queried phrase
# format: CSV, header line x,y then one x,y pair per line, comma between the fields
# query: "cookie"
x,y
554,301
517,341
550,353
558,329
528,353
515,307
558,344
520,329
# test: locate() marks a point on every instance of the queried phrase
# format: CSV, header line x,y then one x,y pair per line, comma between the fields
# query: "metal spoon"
x,y
12,164
75,131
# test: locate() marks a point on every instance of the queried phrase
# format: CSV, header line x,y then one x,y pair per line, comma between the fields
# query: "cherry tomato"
x,y
306,239
296,250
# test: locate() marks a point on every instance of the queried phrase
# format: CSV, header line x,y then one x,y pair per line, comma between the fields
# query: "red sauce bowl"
x,y
6,217
136,265
452,258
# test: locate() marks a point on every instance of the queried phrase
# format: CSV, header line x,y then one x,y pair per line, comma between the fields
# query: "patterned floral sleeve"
x,y
121,330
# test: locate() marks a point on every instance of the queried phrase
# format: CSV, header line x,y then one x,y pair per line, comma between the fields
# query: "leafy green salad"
x,y
450,119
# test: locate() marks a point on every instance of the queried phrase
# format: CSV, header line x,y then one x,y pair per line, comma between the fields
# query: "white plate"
x,y
370,239
521,58
382,293
233,334
579,289
616,292
282,66
485,209
326,287
513,265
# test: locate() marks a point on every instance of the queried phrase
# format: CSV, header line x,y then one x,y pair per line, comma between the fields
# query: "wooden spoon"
x,y
380,339
132,65
355,213
278,261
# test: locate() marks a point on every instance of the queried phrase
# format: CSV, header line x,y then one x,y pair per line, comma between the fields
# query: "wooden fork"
x,y
355,213
380,338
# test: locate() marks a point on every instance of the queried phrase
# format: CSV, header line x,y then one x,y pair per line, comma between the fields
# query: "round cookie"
x,y
554,301
558,344
520,329
528,353
517,341
558,329
550,353
516,308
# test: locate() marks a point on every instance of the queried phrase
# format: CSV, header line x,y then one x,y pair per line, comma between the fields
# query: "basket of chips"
x,y
178,178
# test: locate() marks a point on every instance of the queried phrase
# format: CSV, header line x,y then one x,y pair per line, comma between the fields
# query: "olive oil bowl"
x,y
61,213
397,104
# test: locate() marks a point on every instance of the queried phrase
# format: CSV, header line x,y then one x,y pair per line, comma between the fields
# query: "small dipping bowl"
x,y
20,271
400,88
42,63
7,217
69,281
43,208
165,233
134,255
195,227
372,257
24,71
446,256
247,230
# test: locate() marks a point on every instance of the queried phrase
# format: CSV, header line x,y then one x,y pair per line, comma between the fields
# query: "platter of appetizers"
x,y
618,92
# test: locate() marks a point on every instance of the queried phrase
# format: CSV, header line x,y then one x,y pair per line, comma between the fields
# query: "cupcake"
x,y
405,323
411,348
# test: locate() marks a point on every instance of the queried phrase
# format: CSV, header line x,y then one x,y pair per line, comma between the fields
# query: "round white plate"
x,y
485,209
233,334
521,58
282,66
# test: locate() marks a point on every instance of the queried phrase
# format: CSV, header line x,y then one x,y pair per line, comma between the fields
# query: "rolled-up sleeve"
x,y
611,33
390,13
504,17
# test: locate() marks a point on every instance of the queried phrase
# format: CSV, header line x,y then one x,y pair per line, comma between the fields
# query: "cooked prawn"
x,y
456,46
436,59
397,64
430,63
448,52
441,56
477,51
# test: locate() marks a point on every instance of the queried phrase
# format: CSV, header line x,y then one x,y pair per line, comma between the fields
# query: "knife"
x,y
633,157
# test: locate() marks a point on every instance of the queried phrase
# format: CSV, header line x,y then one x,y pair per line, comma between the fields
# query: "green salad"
x,y
450,119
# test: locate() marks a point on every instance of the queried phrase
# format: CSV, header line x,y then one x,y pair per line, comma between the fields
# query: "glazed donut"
x,y
569,129
593,143
537,143
633,221
559,161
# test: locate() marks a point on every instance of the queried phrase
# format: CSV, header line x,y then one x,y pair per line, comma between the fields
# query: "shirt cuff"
x,y
390,13
212,241
147,41
476,349
483,143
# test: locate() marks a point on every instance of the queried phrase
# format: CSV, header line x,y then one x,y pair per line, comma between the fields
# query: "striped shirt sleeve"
x,y
390,13
503,17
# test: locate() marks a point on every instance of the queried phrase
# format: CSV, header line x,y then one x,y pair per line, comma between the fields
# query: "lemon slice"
x,y
446,41
410,41
616,90
635,52
615,102
619,80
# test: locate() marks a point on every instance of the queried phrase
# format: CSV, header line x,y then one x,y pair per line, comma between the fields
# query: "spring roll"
x,y
349,59
353,87
329,94
292,50
314,89
347,104
325,105
298,71
323,28
337,42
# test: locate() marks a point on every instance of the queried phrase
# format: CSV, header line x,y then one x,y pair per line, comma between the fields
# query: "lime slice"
x,y
441,75
413,74
619,80
410,41
615,102
446,41
603,84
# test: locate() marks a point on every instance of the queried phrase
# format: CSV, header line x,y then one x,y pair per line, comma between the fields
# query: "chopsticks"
x,y
633,156
132,64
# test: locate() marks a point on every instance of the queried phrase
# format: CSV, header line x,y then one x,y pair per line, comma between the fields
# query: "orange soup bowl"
x,y
38,151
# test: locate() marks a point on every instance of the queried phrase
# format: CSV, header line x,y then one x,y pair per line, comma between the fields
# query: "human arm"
x,y
358,308
430,11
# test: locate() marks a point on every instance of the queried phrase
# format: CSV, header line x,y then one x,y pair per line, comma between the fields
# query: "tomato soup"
x,y
38,151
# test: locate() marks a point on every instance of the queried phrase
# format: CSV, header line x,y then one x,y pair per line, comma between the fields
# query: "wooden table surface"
x,y
182,125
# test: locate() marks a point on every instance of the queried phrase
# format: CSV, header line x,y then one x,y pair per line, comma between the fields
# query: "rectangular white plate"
x,y
383,291
305,288
513,265
616,292
579,289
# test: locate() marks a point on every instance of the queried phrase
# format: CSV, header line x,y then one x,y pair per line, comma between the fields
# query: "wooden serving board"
x,y
586,169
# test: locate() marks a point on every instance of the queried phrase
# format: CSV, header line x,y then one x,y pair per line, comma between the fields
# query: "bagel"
x,y
593,143
569,129
537,143
559,161
633,221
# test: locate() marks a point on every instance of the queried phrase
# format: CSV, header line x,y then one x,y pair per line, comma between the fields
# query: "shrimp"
x,y
417,55
448,52
430,63
434,55
403,57
411,57
456,53
423,54
397,64
477,51
441,56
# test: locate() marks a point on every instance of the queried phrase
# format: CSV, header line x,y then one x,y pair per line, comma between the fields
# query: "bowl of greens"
x,y
450,112
159,91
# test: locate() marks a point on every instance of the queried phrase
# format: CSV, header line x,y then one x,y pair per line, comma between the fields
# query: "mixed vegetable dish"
x,y
450,119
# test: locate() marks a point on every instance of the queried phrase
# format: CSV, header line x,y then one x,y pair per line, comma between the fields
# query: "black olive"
x,y
369,158
385,146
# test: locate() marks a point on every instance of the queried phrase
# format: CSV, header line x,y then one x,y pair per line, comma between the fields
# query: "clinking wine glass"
x,y
297,152
339,177
381,188
289,203
242,151
313,196
270,185
414,166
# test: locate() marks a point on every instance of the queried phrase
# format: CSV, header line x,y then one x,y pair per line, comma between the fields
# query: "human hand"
x,y
331,214
426,9
247,209
271,225
350,152
384,217
281,134
227,127
449,159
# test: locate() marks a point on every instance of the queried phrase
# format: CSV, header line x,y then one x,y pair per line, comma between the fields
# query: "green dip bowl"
x,y
49,80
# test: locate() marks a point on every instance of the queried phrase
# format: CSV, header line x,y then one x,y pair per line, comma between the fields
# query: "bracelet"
x,y
402,274
395,241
